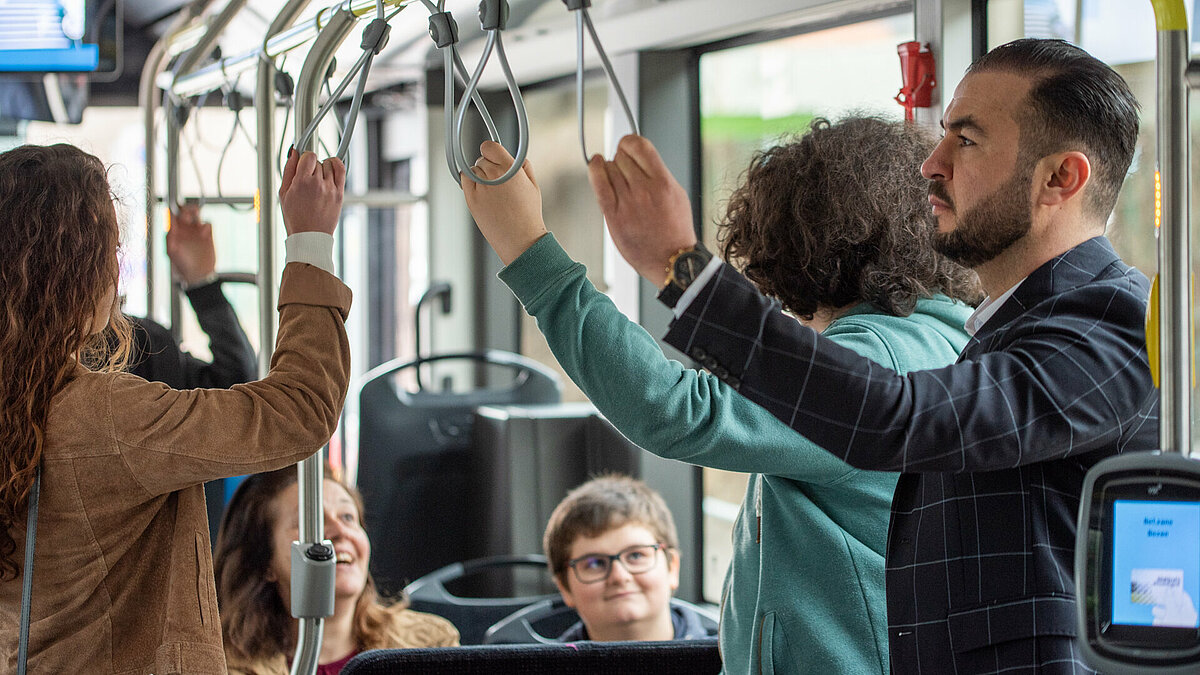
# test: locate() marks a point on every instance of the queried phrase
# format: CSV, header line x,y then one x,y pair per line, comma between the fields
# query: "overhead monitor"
x,y
1137,565
46,36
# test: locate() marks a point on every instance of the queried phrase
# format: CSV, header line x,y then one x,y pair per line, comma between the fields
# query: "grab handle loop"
x,y
492,17
443,30
584,20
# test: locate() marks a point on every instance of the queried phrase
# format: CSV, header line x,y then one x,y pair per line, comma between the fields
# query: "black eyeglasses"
x,y
595,567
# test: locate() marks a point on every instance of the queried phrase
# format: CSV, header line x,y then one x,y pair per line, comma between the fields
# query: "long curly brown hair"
x,y
58,262
841,216
255,622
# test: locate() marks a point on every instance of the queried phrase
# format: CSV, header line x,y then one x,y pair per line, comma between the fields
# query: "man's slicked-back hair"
x,y
1076,102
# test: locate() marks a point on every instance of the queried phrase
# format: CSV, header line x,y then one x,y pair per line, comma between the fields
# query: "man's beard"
x,y
990,227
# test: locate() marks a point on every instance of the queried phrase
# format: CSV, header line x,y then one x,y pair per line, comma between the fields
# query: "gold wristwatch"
x,y
682,270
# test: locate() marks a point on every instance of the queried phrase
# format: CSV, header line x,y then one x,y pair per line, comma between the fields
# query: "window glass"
x,y
753,97
569,206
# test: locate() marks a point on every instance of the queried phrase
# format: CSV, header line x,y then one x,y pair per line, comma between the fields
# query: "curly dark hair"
x,y
841,216
58,262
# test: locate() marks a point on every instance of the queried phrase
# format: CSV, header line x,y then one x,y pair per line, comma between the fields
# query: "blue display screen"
x,y
45,35
1156,563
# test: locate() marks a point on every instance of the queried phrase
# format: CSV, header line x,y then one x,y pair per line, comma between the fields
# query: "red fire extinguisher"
x,y
919,74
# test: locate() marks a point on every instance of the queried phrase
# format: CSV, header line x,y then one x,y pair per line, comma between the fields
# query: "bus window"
x,y
568,203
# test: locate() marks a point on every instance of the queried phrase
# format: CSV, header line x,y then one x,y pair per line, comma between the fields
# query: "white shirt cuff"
x,y
314,248
697,285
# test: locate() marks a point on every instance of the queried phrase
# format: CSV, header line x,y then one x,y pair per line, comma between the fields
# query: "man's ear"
x,y
568,599
1062,177
673,568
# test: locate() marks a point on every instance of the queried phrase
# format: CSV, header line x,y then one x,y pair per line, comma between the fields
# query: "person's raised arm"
x,y
179,438
667,409
647,210
193,262
190,247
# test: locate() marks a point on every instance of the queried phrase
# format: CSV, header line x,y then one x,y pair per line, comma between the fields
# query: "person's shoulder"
x,y
931,336
410,628
689,624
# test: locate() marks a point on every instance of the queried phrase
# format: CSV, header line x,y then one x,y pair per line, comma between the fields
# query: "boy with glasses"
x,y
614,554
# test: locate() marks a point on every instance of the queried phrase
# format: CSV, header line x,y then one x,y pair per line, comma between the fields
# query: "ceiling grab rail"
x,y
493,18
211,77
374,38
444,31
1169,317
264,110
584,19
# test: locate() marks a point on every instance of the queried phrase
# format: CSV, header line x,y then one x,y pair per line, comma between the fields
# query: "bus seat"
x,y
679,657
473,616
425,490
543,621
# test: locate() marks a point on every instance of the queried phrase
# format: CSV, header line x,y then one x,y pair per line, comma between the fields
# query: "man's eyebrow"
x,y
961,123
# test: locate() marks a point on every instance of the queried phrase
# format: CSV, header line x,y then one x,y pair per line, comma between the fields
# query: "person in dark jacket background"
x,y
157,356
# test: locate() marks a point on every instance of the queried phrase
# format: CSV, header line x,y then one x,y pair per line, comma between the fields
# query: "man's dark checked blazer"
x,y
993,449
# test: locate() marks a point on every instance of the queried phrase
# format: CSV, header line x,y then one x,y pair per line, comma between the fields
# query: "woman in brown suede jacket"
x,y
122,579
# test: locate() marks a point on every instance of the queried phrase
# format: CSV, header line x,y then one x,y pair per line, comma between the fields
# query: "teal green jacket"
x,y
804,592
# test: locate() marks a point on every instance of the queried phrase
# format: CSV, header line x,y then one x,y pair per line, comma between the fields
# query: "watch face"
x,y
689,265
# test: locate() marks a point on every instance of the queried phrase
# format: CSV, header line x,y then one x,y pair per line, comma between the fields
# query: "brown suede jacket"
x,y
123,575
406,628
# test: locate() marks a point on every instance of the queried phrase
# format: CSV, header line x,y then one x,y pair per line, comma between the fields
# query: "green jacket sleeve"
x,y
667,409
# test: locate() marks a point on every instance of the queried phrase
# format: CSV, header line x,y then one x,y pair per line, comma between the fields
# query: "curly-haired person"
x,y
122,577
845,205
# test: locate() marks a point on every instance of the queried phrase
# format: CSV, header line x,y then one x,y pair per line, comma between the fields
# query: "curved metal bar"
x,y
264,109
211,77
148,100
205,46
308,87
1174,237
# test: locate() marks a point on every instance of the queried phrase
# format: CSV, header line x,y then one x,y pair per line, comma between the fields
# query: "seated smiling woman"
x,y
253,570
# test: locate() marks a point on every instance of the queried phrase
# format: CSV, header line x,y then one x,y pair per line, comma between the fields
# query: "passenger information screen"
x,y
1156,563
45,35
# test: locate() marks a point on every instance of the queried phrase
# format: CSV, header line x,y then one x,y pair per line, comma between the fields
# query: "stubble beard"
x,y
989,228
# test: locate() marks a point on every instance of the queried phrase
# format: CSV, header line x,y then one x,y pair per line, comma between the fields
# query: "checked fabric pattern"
x,y
993,449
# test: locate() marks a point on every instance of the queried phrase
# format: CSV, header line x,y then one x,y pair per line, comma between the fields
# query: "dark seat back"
x,y
473,616
680,657
543,621
424,488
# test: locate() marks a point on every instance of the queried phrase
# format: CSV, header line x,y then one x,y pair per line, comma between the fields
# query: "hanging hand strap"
x,y
584,20
27,579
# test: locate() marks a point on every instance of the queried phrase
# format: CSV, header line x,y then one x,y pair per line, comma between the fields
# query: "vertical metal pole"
x,y
311,516
264,107
1174,235
174,131
148,97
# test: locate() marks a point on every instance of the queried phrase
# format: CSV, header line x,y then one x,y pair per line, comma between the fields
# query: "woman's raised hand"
x,y
310,193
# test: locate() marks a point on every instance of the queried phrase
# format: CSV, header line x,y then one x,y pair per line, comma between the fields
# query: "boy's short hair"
x,y
602,504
